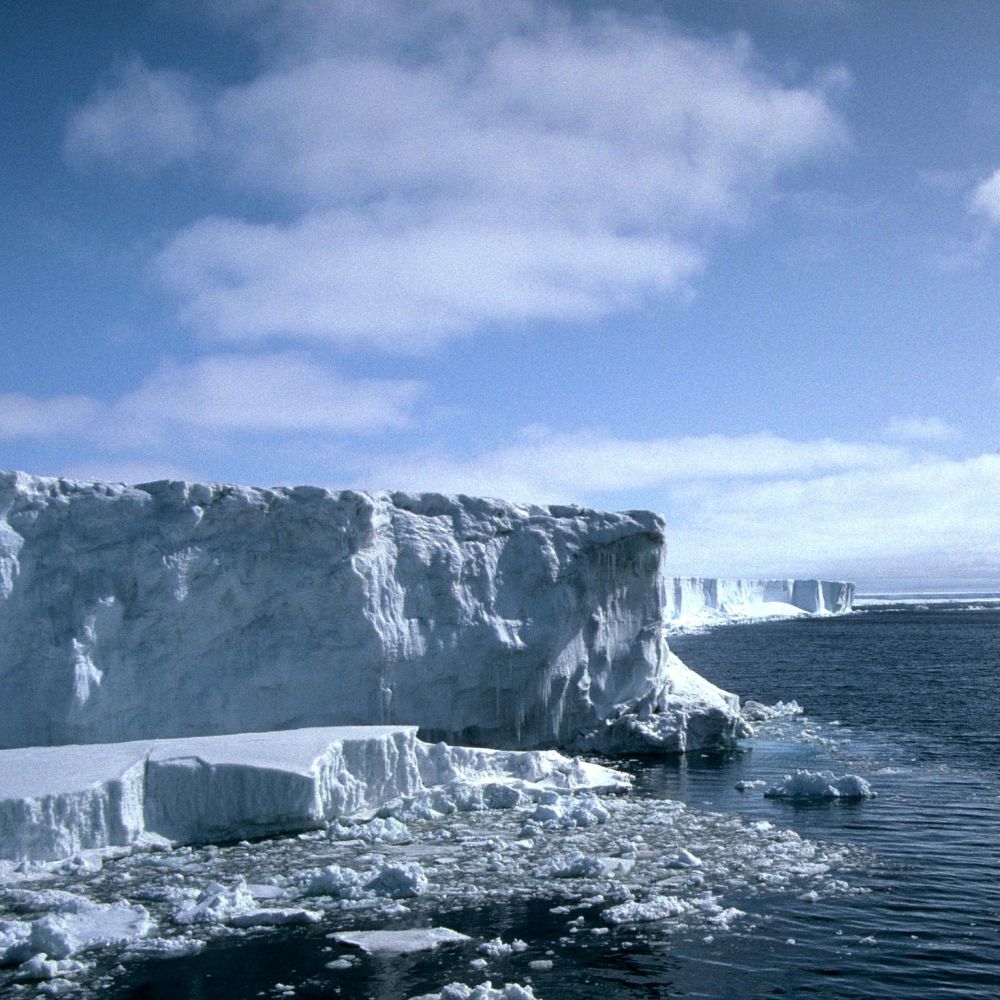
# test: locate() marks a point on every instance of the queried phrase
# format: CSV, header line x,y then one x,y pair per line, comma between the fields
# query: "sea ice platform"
x,y
58,801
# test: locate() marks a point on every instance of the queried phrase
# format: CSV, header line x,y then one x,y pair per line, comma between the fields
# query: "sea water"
x,y
898,896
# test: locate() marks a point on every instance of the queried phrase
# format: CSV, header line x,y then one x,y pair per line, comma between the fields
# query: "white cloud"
x,y
219,395
142,119
986,198
23,416
574,467
906,514
920,429
442,167
756,504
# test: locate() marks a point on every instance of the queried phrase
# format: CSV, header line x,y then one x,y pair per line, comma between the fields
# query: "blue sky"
x,y
735,262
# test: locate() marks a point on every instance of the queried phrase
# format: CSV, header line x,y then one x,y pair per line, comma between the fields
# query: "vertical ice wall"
x,y
688,596
174,609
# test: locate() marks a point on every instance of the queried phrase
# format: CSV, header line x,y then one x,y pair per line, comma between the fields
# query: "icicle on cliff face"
x,y
171,609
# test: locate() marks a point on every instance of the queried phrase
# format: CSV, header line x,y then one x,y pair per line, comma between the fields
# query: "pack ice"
x,y
171,609
58,801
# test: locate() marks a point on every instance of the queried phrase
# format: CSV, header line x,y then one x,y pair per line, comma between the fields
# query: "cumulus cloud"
x,y
920,429
435,169
986,198
219,395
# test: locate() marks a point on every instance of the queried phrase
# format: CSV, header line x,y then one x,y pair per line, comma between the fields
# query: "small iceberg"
x,y
815,786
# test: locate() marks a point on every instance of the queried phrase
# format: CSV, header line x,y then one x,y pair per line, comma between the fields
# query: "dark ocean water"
x,y
905,696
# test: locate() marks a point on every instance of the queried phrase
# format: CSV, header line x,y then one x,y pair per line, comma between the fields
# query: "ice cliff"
x,y
694,598
171,610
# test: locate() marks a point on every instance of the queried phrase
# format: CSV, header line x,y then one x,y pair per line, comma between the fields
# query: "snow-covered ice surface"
x,y
172,609
58,801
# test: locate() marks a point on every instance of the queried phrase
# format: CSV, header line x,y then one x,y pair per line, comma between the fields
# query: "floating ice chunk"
x,y
333,880
400,942
37,967
485,991
398,880
377,831
566,812
755,711
235,905
94,925
163,947
15,938
655,908
498,948
687,713
279,917
685,859
217,904
807,786
579,865
748,786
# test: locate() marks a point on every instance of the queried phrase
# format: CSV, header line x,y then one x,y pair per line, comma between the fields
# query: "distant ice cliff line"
x,y
171,609
693,598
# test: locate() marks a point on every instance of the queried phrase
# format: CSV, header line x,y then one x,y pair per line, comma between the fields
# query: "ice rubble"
x,y
457,856
58,801
173,609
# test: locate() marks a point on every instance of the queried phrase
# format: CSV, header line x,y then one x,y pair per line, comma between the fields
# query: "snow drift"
x,y
172,609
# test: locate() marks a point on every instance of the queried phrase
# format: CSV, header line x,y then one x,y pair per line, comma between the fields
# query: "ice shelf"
x,y
696,599
58,801
172,609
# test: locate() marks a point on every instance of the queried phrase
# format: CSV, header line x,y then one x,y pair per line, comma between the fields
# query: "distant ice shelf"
x,y
58,801
696,600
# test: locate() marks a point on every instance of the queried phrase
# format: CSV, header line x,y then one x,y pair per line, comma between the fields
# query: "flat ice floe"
x,y
58,801
400,942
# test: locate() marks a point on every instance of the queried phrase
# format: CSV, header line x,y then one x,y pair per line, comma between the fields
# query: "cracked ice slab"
x,y
57,801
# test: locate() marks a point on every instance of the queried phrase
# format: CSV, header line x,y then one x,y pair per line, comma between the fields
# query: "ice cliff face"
x,y
692,595
172,609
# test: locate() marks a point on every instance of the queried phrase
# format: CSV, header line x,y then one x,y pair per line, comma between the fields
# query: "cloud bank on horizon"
x,y
387,205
